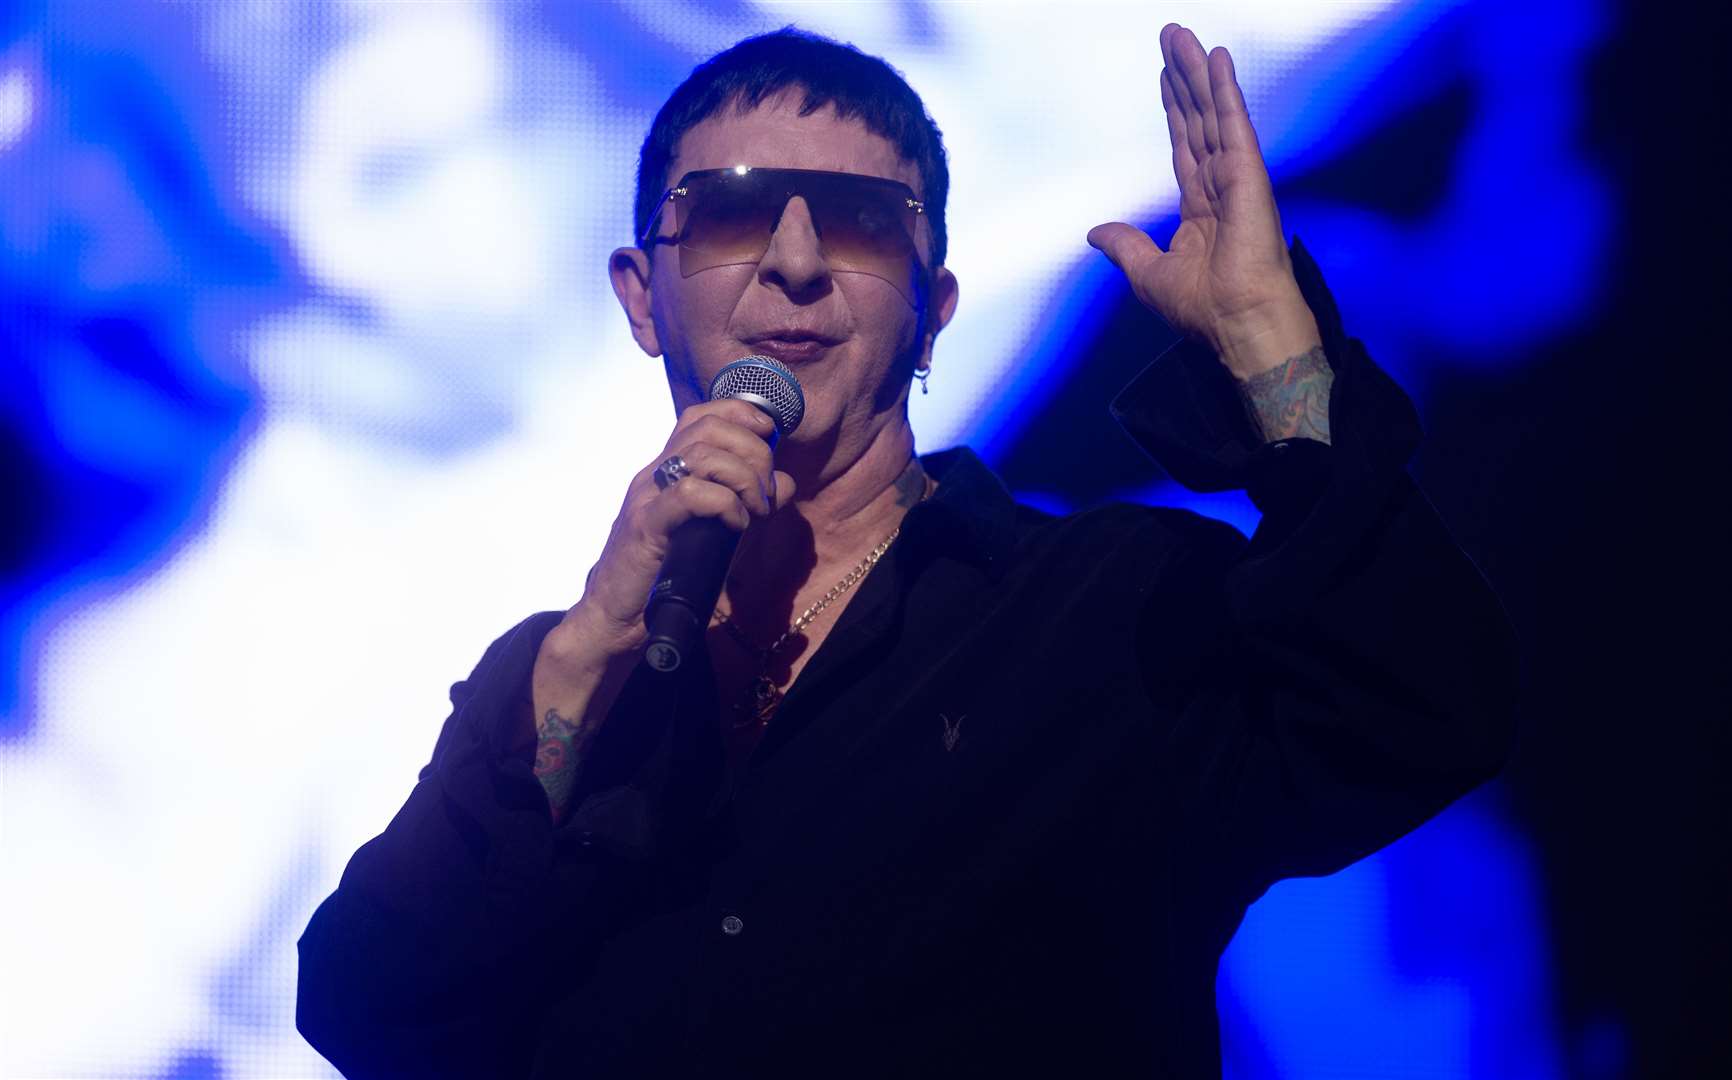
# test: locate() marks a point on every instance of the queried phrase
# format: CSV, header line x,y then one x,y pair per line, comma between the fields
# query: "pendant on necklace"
x,y
758,703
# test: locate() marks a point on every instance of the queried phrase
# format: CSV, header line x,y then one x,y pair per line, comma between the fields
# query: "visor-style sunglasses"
x,y
725,217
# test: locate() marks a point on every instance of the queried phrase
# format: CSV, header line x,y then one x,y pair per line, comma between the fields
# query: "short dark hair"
x,y
830,73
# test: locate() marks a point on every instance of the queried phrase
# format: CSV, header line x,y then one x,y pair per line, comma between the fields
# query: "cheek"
x,y
694,314
881,313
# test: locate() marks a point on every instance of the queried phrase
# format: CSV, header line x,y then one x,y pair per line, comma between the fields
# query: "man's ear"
x,y
629,270
940,306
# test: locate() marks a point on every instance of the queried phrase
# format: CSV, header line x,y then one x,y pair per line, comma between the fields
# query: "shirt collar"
x,y
971,516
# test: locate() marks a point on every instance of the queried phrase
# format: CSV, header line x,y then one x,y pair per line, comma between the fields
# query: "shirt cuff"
x,y
627,800
1186,412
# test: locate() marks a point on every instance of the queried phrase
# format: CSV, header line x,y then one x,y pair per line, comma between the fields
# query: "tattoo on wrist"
x,y
556,761
1291,400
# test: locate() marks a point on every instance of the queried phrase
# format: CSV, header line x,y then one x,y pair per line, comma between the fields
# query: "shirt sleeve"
x,y
450,929
1348,671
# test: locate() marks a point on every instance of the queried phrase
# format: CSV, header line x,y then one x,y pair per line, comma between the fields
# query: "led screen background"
x,y
314,385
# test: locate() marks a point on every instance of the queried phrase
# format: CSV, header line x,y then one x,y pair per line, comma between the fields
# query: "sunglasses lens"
x,y
724,219
864,224
867,227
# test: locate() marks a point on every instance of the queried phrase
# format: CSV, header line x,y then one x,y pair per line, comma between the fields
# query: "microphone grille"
x,y
767,383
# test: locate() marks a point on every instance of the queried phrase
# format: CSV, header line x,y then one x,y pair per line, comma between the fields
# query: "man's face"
x,y
851,338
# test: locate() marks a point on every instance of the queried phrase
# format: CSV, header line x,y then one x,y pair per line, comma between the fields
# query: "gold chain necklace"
x,y
761,697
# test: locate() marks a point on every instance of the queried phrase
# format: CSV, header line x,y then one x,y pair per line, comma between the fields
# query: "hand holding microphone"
x,y
672,542
700,549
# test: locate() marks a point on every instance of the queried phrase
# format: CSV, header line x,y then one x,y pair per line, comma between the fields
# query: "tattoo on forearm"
x,y
1291,401
556,761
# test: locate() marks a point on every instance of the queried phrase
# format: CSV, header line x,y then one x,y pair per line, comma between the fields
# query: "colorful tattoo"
x,y
556,761
1291,400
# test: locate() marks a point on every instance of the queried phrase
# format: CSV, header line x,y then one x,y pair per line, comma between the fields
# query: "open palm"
x,y
1226,274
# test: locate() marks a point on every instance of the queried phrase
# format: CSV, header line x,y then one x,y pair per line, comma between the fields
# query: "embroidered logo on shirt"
x,y
952,730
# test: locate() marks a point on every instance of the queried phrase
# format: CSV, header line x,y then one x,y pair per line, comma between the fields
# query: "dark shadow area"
x,y
1585,481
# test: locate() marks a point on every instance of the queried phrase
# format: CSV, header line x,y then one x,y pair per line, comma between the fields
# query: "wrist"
x,y
575,658
1265,337
1291,400
595,638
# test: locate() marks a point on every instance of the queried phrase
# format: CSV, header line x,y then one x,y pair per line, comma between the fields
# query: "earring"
x,y
923,373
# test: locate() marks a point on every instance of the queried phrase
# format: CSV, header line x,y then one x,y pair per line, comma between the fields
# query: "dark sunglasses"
x,y
725,217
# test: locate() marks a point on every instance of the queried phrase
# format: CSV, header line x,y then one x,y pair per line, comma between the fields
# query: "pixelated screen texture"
x,y
368,241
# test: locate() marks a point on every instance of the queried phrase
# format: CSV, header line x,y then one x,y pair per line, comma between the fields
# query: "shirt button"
x,y
732,925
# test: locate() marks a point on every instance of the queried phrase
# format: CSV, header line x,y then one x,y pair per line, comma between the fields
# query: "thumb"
x,y
782,490
1126,245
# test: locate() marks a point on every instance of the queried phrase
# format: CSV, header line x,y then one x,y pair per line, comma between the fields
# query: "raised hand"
x,y
1226,278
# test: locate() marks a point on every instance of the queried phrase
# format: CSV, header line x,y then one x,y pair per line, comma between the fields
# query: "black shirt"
x,y
1004,822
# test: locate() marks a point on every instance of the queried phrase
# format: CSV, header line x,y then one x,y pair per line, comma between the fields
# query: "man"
x,y
959,787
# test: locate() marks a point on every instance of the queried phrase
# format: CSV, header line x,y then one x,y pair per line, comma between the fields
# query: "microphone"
x,y
699,551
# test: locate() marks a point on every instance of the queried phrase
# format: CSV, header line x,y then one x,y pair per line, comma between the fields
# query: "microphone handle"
x,y
699,551
684,596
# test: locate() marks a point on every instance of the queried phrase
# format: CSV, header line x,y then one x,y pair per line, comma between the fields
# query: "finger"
x,y
1171,35
1130,248
749,480
691,498
722,452
1234,118
743,413
723,432
1184,164
782,489
1194,73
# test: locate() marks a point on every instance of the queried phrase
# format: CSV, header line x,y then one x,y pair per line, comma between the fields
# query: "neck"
x,y
833,522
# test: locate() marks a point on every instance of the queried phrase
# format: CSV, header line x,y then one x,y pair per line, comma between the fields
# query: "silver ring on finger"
x,y
671,472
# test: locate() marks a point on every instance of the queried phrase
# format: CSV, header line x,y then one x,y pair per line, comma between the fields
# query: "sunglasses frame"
x,y
683,188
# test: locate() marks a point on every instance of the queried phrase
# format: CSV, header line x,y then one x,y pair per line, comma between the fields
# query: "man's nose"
x,y
795,260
